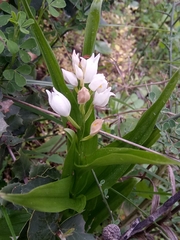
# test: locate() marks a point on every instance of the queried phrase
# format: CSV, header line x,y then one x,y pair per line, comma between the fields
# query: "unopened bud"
x,y
96,126
83,95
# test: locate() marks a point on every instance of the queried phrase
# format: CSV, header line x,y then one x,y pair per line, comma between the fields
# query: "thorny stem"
x,y
102,194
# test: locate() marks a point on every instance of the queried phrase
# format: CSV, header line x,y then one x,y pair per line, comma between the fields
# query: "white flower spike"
x,y
59,103
101,99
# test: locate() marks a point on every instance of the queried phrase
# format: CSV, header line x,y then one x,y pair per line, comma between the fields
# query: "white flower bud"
x,y
59,103
96,126
83,95
70,77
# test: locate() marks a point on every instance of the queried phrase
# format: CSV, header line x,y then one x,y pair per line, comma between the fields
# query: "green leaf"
x,y
92,27
110,156
52,197
6,7
24,56
8,74
21,18
43,226
21,167
20,80
85,183
18,220
27,23
53,12
103,47
23,30
2,35
1,47
74,228
55,158
14,17
53,65
49,2
58,4
4,19
72,155
24,69
30,43
12,47
49,145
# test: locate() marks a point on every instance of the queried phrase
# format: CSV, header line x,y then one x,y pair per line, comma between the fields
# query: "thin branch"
x,y
11,153
132,143
102,194
31,105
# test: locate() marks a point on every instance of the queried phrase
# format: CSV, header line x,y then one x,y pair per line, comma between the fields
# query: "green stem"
x,y
42,10
103,197
73,122
8,221
91,107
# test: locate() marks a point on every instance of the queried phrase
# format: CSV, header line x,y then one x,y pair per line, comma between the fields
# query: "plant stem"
x,y
103,197
8,221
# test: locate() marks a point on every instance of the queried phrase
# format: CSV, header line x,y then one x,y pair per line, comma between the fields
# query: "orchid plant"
x,y
89,169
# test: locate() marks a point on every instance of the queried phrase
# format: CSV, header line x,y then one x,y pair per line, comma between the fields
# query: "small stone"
x,y
111,232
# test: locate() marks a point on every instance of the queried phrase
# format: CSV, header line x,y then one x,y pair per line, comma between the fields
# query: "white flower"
x,y
101,99
70,77
96,126
89,67
98,83
59,103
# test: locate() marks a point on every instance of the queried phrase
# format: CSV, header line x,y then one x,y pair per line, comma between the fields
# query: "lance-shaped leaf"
x,y
110,156
52,63
92,27
110,164
52,197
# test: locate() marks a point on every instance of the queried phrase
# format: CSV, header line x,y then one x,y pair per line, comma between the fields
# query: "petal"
x,y
70,77
75,58
78,72
101,99
98,83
